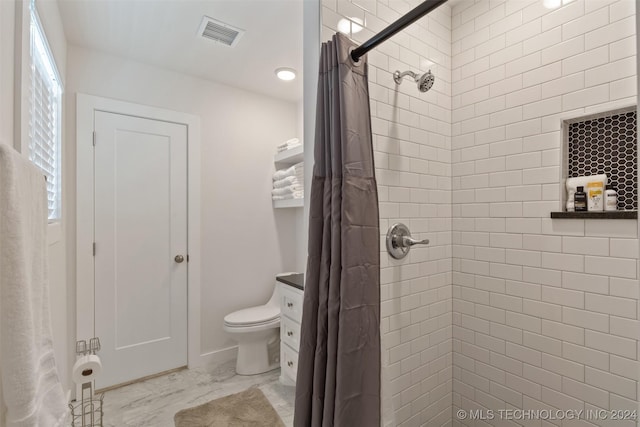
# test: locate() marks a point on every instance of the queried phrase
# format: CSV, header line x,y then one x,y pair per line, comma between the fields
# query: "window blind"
x,y
45,99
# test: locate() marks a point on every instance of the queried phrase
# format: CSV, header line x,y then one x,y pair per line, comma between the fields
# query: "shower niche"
x,y
603,143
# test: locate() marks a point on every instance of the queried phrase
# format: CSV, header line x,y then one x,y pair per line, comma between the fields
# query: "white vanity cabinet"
x,y
290,319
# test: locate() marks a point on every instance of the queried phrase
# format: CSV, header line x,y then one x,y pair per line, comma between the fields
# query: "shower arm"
x,y
397,76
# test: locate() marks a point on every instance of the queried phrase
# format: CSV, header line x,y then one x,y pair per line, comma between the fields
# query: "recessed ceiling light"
x,y
286,74
351,25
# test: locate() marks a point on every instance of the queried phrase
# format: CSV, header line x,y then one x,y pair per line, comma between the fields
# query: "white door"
x,y
140,235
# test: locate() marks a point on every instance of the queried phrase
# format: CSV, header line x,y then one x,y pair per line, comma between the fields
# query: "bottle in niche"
x,y
580,200
595,196
610,199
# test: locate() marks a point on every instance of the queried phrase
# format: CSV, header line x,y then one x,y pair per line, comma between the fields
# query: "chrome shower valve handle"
x,y
409,241
399,241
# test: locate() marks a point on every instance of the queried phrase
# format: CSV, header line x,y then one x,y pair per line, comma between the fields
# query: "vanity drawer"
x,y
291,303
290,333
289,363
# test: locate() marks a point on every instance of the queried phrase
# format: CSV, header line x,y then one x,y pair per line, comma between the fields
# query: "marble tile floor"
x,y
155,401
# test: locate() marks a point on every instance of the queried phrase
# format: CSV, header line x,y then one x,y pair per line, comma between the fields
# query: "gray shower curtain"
x,y
338,382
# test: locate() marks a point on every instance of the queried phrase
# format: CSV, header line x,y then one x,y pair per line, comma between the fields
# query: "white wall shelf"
x,y
284,160
289,157
289,203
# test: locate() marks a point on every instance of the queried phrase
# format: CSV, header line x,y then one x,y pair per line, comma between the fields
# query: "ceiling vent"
x,y
219,31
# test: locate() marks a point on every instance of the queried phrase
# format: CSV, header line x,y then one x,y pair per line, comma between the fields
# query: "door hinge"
x,y
94,138
94,248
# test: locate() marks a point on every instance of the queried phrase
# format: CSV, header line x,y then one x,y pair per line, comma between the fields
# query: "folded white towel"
x,y
295,170
296,195
582,181
287,190
290,180
290,144
32,392
292,141
283,173
288,147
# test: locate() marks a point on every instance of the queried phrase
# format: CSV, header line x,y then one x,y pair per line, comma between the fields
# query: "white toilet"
x,y
257,331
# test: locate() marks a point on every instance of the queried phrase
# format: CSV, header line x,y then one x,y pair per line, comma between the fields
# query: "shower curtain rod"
x,y
399,25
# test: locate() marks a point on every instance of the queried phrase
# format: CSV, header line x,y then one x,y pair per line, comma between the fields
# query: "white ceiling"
x,y
164,33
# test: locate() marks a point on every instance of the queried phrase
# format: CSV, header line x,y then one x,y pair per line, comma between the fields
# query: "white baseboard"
x,y
217,357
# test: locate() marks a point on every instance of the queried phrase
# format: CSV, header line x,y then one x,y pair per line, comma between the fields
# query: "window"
x,y
45,105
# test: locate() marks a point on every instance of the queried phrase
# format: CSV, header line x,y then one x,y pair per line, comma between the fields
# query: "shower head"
x,y
424,81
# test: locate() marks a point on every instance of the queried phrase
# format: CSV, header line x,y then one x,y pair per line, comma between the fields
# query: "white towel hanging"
x,y
32,391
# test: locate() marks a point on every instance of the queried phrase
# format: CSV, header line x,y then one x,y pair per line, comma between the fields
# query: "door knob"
x,y
179,258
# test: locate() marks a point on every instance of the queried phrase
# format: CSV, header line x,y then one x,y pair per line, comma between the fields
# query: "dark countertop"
x,y
596,215
295,280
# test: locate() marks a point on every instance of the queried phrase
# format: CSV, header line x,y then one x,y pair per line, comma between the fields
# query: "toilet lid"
x,y
253,315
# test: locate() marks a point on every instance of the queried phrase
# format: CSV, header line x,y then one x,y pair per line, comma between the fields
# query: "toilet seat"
x,y
247,329
254,316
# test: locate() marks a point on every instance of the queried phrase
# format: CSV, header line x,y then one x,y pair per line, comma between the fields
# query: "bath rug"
x,y
249,408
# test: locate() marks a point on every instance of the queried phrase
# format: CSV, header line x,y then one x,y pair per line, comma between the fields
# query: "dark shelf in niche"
x,y
596,215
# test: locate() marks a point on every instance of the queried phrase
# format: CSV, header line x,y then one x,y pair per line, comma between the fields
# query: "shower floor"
x,y
155,401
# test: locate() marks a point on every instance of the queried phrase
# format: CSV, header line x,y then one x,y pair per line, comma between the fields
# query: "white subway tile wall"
x,y
412,144
506,308
558,299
